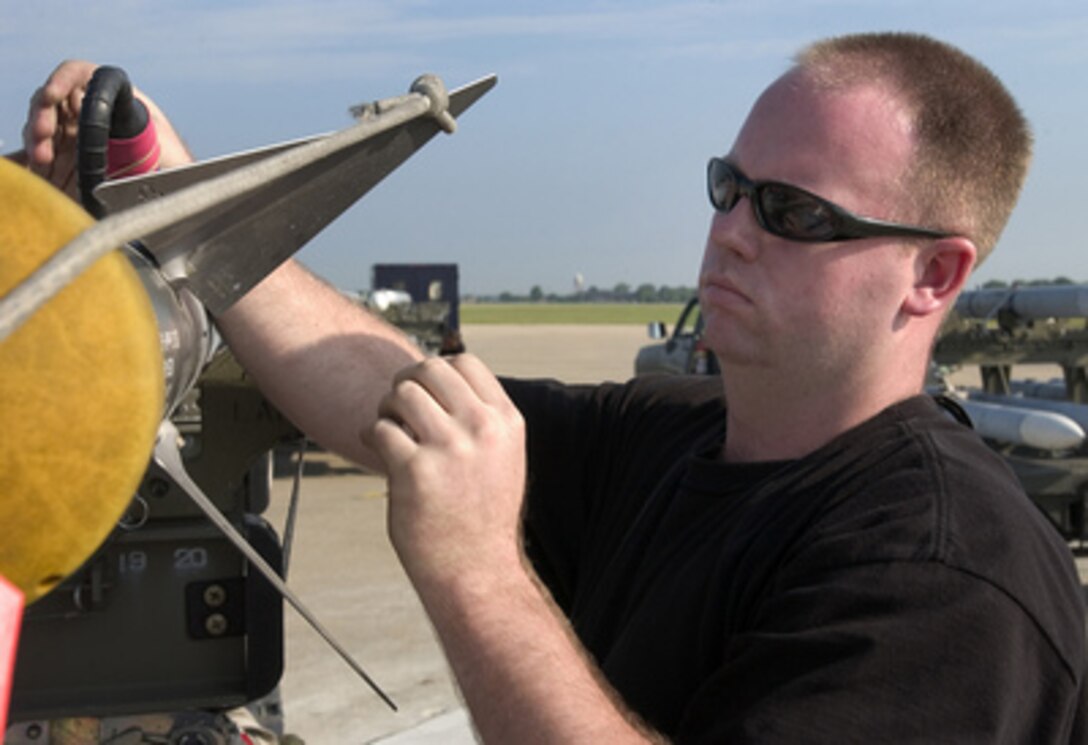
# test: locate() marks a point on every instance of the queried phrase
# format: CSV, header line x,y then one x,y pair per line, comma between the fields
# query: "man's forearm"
x,y
454,446
324,361
523,673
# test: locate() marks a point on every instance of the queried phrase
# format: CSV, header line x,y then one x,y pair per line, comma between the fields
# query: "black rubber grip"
x,y
109,110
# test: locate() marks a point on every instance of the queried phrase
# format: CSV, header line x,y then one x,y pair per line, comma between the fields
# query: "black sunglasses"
x,y
795,214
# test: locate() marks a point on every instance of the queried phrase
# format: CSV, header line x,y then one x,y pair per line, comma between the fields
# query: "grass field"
x,y
569,313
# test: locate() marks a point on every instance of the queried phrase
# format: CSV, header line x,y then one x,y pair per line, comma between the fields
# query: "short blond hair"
x,y
972,143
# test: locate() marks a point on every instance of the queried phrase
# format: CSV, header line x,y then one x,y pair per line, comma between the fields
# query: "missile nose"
x,y
1043,430
1053,431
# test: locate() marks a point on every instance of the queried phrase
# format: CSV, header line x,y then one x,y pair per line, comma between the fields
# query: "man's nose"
x,y
736,231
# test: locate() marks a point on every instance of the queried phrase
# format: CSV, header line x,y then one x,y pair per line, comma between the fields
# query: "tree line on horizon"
x,y
620,293
623,292
1000,284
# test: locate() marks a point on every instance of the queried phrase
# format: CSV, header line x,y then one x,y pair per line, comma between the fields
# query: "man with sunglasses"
x,y
820,555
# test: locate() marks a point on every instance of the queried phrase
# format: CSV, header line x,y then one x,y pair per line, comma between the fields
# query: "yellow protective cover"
x,y
81,393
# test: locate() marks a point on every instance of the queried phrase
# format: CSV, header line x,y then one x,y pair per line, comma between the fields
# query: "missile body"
x,y
1053,390
1043,430
1058,301
187,337
1077,413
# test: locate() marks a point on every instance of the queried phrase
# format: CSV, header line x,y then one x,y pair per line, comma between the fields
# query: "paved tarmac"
x,y
344,569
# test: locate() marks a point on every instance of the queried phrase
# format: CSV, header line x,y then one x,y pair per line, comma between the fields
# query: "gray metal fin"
x,y
231,246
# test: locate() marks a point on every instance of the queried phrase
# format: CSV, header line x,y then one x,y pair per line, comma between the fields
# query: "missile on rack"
x,y
1052,390
1043,430
1056,301
1076,412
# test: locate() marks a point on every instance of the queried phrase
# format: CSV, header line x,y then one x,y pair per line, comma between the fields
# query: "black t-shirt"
x,y
895,585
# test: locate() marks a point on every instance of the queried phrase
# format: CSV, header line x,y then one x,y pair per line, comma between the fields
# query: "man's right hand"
x,y
52,125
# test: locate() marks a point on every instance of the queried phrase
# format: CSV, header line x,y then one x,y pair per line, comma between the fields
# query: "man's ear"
x,y
941,271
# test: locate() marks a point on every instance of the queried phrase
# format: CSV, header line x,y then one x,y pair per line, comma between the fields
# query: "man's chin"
x,y
733,354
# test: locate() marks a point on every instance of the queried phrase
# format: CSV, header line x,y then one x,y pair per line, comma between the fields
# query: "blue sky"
x,y
589,155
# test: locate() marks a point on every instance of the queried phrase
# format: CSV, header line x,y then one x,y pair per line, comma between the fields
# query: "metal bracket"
x,y
168,457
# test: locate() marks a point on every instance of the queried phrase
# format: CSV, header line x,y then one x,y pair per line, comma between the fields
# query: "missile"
x,y
1075,412
1058,301
77,315
1043,430
1053,390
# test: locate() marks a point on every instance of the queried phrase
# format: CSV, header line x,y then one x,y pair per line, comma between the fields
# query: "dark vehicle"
x,y
682,353
432,316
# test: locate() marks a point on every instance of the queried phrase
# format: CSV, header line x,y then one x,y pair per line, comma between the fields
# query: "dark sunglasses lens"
x,y
721,185
791,213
